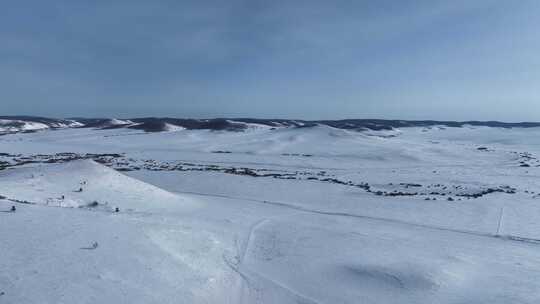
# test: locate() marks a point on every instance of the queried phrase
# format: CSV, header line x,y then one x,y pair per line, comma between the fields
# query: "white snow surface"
x,y
251,126
116,121
172,128
206,236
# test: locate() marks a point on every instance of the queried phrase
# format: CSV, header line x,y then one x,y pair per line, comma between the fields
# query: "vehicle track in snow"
x,y
251,279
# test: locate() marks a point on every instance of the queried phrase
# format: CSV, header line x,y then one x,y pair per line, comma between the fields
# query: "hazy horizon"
x,y
265,118
411,60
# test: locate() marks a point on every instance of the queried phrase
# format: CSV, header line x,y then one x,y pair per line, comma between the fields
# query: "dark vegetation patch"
x,y
19,160
526,159
403,189
297,154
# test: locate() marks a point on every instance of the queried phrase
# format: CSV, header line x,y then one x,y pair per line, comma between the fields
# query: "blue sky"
x,y
456,60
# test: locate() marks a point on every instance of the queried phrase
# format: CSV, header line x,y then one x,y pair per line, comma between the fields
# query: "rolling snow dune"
x,y
102,188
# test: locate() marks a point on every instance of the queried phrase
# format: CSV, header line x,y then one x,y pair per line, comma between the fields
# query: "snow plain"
x,y
451,215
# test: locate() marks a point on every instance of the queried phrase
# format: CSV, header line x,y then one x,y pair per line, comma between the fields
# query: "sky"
x,y
445,60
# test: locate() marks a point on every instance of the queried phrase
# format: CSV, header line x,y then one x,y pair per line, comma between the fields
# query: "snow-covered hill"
x,y
30,124
14,124
85,184
274,214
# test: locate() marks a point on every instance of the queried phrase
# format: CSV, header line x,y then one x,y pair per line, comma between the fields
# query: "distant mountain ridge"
x,y
15,124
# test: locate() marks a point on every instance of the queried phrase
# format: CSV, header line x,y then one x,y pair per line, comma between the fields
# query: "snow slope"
x,y
200,234
102,188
